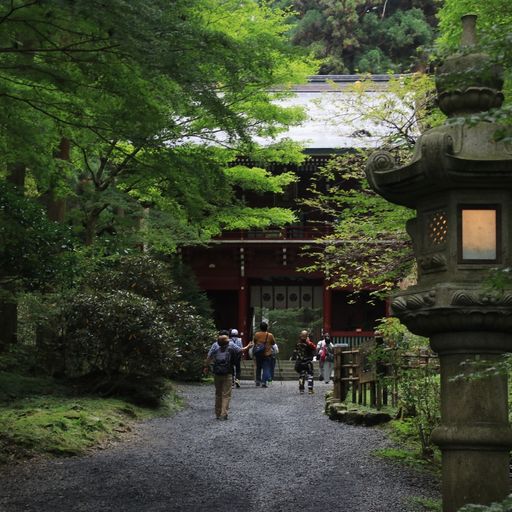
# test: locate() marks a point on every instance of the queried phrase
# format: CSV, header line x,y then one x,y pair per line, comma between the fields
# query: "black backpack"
x,y
223,361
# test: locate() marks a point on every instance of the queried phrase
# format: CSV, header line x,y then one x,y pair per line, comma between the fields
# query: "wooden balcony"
x,y
289,233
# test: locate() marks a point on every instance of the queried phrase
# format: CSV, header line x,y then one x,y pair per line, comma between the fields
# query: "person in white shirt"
x,y
325,357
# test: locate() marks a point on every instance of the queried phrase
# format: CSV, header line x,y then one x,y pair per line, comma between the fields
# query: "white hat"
x,y
234,332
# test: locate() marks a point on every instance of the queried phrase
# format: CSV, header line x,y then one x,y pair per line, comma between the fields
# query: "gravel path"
x,y
276,453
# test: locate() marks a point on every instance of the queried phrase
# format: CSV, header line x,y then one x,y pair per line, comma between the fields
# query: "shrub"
x,y
126,330
148,277
116,333
504,506
419,387
419,392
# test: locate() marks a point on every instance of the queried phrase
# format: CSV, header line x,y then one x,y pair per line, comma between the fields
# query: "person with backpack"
x,y
262,342
325,357
235,339
221,357
305,351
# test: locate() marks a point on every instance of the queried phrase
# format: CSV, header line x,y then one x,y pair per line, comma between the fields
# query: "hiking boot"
x,y
301,391
223,417
237,383
263,385
310,391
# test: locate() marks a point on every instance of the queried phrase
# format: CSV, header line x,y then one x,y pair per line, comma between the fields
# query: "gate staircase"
x,y
287,370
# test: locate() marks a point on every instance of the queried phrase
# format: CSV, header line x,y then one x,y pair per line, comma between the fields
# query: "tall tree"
x,y
368,245
155,100
375,36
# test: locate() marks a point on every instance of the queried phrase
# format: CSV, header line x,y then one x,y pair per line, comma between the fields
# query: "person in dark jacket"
x,y
305,351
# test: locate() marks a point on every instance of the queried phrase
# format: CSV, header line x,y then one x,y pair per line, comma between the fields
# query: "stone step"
x,y
284,370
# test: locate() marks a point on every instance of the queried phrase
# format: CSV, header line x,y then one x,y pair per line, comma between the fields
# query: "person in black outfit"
x,y
305,351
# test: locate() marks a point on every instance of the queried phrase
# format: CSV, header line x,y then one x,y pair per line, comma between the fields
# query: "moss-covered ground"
x,y
40,415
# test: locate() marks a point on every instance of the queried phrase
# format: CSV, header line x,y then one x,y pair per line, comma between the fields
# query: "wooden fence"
x,y
371,382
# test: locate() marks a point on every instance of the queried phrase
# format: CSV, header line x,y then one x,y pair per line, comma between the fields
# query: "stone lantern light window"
x,y
479,234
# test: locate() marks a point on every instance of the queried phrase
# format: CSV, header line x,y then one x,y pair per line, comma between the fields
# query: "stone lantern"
x,y
460,183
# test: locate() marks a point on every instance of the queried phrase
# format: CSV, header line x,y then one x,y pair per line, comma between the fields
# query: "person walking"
x,y
305,351
236,340
262,342
273,360
325,357
221,357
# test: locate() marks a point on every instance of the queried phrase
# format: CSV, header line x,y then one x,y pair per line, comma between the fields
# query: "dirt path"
x,y
276,453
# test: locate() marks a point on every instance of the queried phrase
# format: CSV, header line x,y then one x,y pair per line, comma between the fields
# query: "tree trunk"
x,y
8,304
90,229
16,176
8,323
56,206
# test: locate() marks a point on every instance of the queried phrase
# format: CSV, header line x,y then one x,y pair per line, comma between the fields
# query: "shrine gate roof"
x,y
337,114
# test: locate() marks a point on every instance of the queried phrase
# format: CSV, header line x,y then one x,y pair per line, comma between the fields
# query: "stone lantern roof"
x,y
458,154
468,82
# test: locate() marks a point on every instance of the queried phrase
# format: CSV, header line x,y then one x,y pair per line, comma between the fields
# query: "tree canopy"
x,y
123,121
154,102
367,36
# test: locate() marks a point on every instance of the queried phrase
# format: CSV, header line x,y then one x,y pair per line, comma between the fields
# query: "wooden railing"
x,y
352,340
374,383
286,233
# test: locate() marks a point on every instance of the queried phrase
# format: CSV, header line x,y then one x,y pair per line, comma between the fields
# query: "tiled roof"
x,y
337,114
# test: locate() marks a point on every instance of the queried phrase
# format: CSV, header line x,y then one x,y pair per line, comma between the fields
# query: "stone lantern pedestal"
x,y
460,183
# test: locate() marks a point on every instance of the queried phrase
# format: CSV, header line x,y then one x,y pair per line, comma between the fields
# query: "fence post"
x,y
338,383
341,381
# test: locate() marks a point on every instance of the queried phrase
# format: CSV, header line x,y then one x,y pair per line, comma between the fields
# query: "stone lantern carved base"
x,y
468,298
448,306
433,263
475,436
466,323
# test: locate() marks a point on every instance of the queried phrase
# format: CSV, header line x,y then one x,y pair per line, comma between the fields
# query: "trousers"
x,y
222,394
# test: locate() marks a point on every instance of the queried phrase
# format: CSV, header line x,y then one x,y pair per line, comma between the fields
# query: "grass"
x,y
41,416
426,504
404,434
408,450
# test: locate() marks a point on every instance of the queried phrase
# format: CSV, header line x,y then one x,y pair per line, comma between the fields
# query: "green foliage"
x,y
420,394
41,416
116,332
286,324
124,331
494,38
362,36
402,455
369,243
409,450
503,506
33,250
396,335
155,102
186,281
152,279
426,504
419,388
